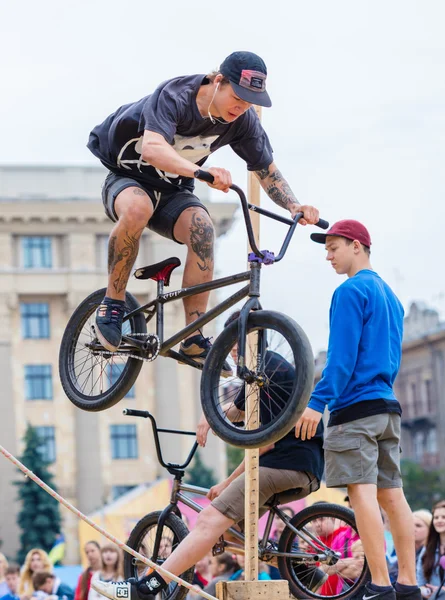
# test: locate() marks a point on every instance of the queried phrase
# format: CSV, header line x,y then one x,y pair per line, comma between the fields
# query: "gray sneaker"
x,y
109,317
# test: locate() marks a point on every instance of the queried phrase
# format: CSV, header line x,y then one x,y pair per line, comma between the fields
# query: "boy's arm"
x,y
346,324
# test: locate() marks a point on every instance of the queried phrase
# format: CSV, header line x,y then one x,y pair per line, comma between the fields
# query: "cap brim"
x,y
320,238
258,98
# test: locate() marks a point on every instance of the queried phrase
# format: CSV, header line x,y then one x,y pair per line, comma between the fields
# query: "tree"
x,y
235,457
422,488
39,517
199,474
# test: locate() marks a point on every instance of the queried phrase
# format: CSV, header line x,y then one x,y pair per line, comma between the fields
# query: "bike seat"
x,y
160,271
287,496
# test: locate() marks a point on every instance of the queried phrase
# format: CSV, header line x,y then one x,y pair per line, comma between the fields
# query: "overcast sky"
x,y
357,123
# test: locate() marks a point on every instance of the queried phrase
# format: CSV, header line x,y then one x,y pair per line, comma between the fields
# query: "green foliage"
x,y
422,488
199,474
39,517
235,457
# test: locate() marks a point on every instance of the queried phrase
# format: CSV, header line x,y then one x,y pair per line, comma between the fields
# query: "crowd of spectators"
x,y
35,580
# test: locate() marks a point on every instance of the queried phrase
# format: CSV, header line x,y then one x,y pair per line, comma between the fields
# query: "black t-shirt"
x,y
290,452
366,408
172,112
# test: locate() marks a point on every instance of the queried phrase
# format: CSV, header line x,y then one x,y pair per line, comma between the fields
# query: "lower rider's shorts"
x,y
364,451
168,205
271,481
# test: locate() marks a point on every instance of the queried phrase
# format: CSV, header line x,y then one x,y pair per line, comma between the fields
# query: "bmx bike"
x,y
95,379
315,553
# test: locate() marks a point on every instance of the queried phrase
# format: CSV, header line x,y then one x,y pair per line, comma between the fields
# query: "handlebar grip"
x,y
204,176
132,412
322,224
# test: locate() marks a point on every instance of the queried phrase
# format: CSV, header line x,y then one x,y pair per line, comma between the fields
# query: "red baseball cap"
x,y
349,229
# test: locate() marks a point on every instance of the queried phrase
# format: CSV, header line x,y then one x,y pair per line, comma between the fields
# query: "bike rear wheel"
x,y
95,379
282,373
142,539
334,527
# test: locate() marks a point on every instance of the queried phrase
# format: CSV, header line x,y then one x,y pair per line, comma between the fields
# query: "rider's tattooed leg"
x,y
122,254
201,240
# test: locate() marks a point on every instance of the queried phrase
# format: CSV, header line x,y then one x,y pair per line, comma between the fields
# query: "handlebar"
x,y
132,412
246,206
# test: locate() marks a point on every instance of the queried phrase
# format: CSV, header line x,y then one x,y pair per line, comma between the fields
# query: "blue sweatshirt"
x,y
365,344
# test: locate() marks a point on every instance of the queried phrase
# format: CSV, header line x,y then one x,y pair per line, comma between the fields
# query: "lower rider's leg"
x,y
134,209
393,501
195,229
363,498
211,524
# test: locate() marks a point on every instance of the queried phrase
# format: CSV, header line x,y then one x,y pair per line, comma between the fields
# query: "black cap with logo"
x,y
247,74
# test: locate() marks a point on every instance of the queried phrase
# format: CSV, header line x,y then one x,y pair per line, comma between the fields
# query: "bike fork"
x,y
252,304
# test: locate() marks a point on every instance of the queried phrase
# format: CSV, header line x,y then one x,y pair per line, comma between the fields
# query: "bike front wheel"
x,y
280,380
330,562
142,539
93,378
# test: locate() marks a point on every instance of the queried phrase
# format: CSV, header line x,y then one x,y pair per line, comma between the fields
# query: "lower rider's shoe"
x,y
414,594
109,317
311,578
370,594
145,588
197,348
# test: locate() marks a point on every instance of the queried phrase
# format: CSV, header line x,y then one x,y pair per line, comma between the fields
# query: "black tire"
x,y
214,393
74,357
303,575
147,527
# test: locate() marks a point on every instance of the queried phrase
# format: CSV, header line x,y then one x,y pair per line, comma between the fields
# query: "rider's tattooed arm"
x,y
277,188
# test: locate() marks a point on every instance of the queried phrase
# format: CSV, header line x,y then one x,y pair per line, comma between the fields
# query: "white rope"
x,y
73,509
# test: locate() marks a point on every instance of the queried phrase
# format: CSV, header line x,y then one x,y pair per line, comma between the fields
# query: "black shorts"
x,y
168,206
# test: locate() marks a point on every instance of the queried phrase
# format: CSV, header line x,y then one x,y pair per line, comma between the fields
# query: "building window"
x,y
37,252
429,396
431,441
120,490
114,372
418,445
47,448
124,442
415,407
35,320
38,382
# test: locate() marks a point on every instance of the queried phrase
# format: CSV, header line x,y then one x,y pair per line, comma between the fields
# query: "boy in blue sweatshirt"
x,y
362,444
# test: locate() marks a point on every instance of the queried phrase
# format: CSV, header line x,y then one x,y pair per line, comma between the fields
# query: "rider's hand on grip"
x,y
216,178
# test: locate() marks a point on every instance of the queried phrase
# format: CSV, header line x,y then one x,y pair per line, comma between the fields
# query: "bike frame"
x,y
251,290
180,489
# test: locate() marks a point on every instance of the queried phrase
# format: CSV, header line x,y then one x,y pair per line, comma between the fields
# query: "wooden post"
x,y
251,497
250,588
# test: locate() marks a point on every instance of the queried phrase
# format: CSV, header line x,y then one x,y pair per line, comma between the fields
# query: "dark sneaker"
x,y
414,594
109,317
197,348
311,578
131,589
370,594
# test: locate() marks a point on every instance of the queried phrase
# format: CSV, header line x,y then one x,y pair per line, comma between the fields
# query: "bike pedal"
x,y
219,547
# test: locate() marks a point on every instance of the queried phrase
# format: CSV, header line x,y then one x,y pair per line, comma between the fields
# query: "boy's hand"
x,y
217,489
202,431
307,424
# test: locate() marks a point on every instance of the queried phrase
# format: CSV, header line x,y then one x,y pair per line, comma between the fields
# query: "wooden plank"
x,y
253,590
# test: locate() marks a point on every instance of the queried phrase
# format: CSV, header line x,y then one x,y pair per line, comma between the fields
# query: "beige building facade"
x,y
53,249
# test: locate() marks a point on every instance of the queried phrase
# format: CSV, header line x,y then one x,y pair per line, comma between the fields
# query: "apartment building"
x,y
53,253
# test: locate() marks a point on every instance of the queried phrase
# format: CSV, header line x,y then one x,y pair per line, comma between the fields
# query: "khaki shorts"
x,y
271,481
364,451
